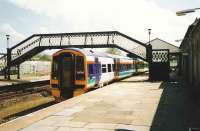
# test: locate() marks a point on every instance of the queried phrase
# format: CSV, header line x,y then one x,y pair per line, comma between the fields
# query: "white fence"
x,y
35,67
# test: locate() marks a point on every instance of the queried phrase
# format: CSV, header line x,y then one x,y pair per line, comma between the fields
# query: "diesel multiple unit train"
x,y
75,71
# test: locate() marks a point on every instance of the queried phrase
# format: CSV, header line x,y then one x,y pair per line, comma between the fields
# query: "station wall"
x,y
190,46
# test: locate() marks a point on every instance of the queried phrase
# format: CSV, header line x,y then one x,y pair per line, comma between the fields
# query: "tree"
x,y
42,57
114,51
45,57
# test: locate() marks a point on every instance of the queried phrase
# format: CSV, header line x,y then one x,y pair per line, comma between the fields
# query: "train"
x,y
76,71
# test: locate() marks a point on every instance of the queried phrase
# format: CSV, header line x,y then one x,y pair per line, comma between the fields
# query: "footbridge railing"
x,y
39,42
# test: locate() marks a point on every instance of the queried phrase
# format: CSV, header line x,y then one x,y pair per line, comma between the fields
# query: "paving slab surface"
x,y
133,104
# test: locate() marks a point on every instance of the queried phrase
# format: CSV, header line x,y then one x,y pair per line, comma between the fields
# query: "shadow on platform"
x,y
169,115
193,107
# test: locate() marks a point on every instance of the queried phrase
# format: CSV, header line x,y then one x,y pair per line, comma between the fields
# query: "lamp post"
x,y
149,55
7,37
149,31
184,12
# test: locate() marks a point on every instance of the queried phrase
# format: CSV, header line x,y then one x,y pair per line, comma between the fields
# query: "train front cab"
x,y
68,74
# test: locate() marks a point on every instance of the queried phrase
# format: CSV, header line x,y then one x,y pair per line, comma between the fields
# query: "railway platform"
x,y
133,104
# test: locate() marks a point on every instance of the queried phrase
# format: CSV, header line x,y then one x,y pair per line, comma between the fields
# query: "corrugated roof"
x,y
189,31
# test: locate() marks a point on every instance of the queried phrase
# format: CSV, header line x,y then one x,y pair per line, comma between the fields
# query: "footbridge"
x,y
40,42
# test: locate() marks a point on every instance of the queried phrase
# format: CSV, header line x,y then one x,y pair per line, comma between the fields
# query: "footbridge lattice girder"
x,y
83,39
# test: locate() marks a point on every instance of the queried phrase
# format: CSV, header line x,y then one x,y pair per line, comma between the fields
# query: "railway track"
x,y
21,89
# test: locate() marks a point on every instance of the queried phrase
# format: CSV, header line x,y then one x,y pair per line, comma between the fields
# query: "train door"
x,y
97,68
117,66
67,76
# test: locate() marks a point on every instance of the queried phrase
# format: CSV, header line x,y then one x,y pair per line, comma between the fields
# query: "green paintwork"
x,y
91,80
125,73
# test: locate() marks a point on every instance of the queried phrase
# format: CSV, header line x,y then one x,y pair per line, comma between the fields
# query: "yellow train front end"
x,y
68,75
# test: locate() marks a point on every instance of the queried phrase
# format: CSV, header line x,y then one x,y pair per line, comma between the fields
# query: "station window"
x,y
109,68
80,73
104,68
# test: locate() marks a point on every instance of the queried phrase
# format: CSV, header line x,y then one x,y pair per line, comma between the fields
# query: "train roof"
x,y
95,53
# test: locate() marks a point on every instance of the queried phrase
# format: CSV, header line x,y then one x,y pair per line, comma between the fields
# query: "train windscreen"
x,y
80,74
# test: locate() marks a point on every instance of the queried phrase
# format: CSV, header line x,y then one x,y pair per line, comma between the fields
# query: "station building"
x,y
190,48
174,51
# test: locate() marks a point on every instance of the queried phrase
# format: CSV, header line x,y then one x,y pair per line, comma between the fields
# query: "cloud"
x,y
43,30
132,17
15,36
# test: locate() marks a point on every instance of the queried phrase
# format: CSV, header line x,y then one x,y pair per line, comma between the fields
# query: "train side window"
x,y
109,68
99,67
80,72
55,68
104,68
113,67
129,66
121,67
132,66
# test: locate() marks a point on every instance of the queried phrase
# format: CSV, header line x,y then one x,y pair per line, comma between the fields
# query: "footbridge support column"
x,y
8,63
4,73
149,59
18,71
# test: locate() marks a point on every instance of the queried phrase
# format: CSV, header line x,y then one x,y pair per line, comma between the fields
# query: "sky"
x,y
22,18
